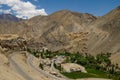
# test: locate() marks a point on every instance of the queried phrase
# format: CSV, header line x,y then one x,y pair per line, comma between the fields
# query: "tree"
x,y
41,66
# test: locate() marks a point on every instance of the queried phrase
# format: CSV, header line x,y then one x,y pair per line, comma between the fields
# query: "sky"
x,y
29,8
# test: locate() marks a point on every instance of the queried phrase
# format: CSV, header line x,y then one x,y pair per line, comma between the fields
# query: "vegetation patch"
x,y
97,67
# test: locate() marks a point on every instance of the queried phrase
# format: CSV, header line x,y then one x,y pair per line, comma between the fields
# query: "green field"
x,y
92,73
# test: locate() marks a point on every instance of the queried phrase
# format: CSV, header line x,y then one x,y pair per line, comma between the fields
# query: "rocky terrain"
x,y
62,31
71,31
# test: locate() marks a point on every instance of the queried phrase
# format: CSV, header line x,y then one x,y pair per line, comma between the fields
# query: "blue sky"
x,y
95,7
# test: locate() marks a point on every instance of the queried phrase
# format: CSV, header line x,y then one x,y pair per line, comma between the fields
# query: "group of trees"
x,y
99,62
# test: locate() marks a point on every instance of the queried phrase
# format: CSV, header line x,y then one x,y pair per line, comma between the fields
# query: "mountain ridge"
x,y
71,31
9,18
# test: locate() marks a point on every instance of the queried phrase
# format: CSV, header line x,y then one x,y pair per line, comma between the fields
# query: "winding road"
x,y
18,69
16,66
30,59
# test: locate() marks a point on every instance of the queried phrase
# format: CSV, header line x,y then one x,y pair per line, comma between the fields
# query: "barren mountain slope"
x,y
67,31
71,31
105,33
71,21
62,30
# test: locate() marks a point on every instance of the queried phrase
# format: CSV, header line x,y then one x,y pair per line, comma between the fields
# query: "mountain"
x,y
105,33
67,31
70,31
8,18
60,30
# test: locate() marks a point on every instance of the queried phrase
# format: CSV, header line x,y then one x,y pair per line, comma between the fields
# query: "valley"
x,y
64,45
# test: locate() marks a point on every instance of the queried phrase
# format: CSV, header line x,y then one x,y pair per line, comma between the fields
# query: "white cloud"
x,y
23,9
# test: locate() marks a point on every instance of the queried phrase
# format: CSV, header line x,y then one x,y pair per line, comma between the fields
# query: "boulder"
x,y
72,67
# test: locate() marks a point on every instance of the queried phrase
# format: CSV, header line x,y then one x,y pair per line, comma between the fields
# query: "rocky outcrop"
x,y
14,44
72,67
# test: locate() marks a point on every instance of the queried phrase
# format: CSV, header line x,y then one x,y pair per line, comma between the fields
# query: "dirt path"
x,y
30,58
18,63
18,68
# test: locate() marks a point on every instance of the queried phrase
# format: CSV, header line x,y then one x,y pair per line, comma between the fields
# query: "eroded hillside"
x,y
70,31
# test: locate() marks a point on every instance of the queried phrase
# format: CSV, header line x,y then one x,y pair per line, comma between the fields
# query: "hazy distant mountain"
x,y
8,17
